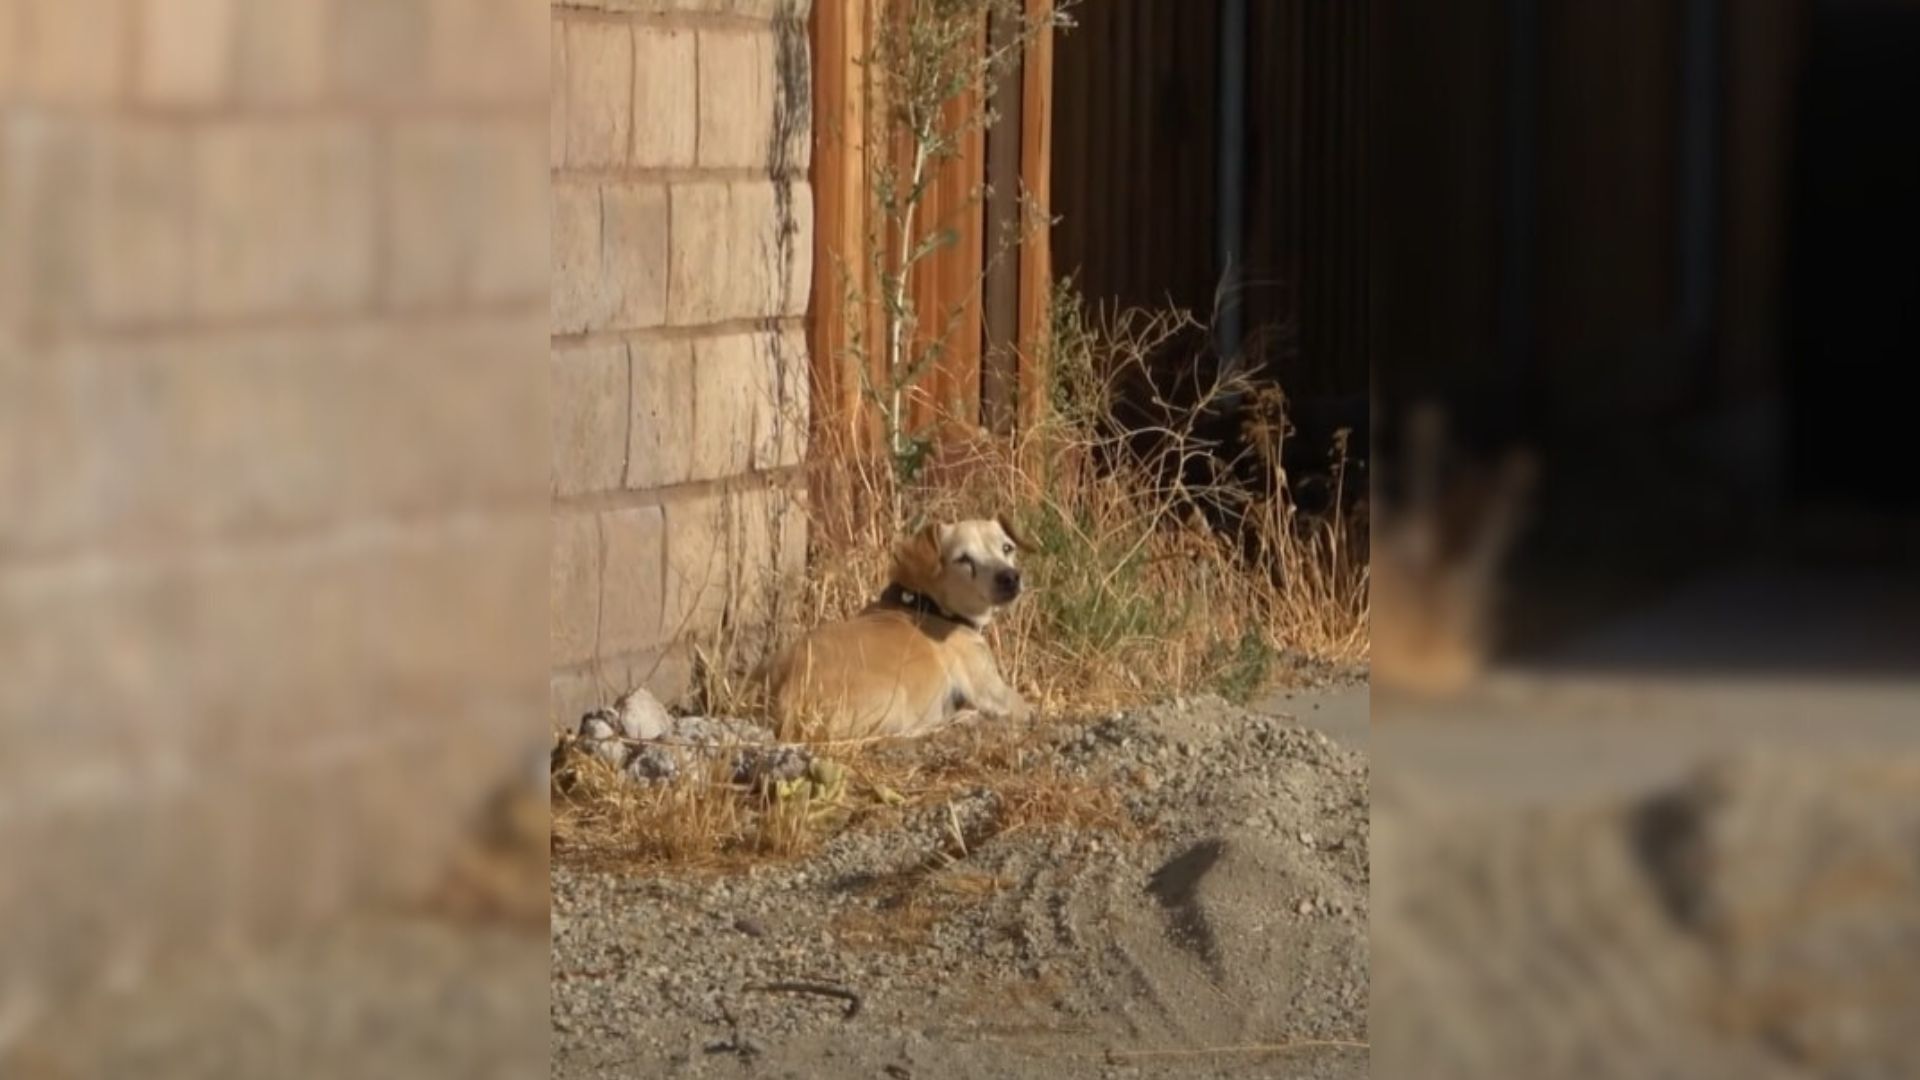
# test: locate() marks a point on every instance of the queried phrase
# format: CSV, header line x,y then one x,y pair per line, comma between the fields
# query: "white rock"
x,y
641,715
599,732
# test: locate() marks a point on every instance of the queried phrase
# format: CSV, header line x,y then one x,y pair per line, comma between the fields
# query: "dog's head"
x,y
967,567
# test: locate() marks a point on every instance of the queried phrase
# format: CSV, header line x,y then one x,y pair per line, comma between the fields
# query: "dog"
x,y
915,657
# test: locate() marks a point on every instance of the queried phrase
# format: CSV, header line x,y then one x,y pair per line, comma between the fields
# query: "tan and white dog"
x,y
916,656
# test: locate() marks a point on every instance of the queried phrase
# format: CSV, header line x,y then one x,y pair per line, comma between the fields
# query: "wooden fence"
x,y
1114,128
988,368
1136,178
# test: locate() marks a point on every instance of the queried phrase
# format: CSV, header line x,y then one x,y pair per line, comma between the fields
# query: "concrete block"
x,y
665,109
771,248
599,93
378,48
660,449
768,545
633,585
47,176
491,51
635,236
792,10
11,61
72,52
286,218
697,564
736,97
703,268
142,239
796,249
283,50
666,671
790,375
574,588
791,64
52,460
732,404
186,51
557,99
582,297
589,417
466,214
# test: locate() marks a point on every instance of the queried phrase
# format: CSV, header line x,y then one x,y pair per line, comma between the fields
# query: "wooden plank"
x,y
966,268
881,143
1036,178
1001,303
946,285
840,265
925,287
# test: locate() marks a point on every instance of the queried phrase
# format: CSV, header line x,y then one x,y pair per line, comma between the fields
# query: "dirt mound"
x,y
1756,921
1226,911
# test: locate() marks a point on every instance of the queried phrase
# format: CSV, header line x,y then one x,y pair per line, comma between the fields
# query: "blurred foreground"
x,y
1674,836
273,304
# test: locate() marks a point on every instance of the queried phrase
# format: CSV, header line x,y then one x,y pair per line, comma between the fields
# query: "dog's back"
x,y
878,673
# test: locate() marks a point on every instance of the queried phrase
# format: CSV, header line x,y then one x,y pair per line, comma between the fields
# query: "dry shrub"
x,y
1172,560
699,821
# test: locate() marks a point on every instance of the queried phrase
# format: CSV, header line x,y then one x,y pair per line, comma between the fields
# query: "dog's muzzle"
x,y
1006,585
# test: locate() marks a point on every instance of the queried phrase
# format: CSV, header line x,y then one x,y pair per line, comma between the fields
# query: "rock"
x,y
600,736
641,739
641,717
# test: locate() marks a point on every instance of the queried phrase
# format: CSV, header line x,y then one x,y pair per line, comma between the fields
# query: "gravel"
x,y
1755,921
1231,910
637,737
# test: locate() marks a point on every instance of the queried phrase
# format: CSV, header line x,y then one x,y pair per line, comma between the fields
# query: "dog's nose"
x,y
1008,582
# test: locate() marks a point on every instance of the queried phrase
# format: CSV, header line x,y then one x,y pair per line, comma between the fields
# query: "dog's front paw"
x,y
1018,709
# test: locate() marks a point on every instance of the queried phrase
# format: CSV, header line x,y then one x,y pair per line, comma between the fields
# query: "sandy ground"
x,y
1224,934
1221,933
377,997
1681,845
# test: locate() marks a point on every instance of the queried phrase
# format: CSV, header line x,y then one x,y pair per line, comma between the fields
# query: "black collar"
x,y
899,596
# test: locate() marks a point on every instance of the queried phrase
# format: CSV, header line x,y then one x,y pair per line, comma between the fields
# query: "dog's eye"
x,y
963,560
1006,549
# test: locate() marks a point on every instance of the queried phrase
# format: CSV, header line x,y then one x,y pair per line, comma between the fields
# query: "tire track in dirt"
x,y
1755,921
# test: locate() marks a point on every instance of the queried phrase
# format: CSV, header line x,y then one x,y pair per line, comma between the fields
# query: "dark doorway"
x,y
1853,316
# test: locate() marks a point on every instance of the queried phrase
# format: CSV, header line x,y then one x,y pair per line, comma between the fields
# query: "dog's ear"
x,y
1014,534
916,560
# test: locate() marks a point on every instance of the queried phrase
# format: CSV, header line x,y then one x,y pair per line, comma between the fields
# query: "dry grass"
x,y
705,822
1171,562
1139,592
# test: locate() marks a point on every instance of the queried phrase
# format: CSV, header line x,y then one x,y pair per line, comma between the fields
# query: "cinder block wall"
x,y
682,258
273,519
